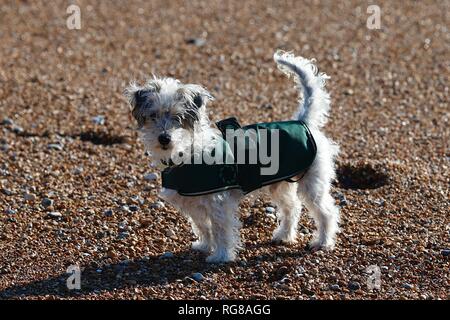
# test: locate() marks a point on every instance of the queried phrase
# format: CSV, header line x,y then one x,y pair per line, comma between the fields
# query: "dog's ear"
x,y
140,100
138,96
133,93
195,95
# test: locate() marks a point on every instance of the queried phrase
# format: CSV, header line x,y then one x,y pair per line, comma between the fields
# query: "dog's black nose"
x,y
164,139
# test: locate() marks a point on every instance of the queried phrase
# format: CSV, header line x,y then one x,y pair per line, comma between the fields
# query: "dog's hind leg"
x,y
314,190
320,204
289,208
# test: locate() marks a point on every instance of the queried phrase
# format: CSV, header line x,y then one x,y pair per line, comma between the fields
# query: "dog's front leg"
x,y
197,214
201,226
225,227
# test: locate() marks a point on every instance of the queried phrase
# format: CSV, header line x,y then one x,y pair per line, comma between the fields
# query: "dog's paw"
x,y
283,238
285,242
221,257
201,246
319,244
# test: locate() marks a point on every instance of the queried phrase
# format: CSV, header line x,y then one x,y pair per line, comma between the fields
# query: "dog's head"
x,y
166,111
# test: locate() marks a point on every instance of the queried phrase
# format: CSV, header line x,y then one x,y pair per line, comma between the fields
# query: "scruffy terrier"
x,y
169,114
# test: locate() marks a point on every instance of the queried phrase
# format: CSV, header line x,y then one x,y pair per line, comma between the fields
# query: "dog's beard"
x,y
185,146
179,148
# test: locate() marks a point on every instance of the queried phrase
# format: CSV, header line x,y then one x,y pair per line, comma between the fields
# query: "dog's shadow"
x,y
146,272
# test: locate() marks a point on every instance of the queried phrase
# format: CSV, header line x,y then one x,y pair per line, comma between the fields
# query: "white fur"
x,y
215,217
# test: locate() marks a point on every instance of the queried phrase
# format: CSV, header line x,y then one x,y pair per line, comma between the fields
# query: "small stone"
x,y
54,215
151,176
341,198
29,197
446,252
133,208
335,287
78,170
7,122
7,192
300,270
108,213
408,286
198,277
55,146
303,229
46,202
167,255
196,41
149,187
138,200
348,92
353,285
123,235
10,211
284,286
189,280
112,254
283,271
281,274
266,106
100,235
270,210
100,120
170,233
272,216
157,205
123,225
308,292
17,129
145,222
4,147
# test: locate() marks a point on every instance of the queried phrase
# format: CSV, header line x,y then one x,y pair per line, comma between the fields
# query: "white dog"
x,y
169,113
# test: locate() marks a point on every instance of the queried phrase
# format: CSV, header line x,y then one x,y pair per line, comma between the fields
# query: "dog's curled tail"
x,y
316,101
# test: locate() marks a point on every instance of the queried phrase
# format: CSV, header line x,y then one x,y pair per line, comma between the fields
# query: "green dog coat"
x,y
297,151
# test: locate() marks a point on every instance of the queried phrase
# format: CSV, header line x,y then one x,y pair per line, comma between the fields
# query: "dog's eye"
x,y
177,118
152,116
